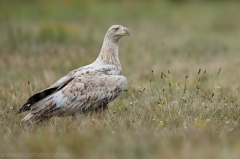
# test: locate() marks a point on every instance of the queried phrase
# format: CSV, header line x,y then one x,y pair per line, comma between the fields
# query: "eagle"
x,y
91,87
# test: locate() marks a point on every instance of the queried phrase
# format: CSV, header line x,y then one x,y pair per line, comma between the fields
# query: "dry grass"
x,y
41,41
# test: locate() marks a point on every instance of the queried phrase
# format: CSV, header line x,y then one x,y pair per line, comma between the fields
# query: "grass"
x,y
42,41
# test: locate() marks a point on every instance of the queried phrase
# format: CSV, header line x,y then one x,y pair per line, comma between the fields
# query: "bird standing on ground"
x,y
87,88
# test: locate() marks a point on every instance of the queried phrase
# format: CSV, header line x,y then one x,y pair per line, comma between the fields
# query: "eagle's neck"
x,y
109,53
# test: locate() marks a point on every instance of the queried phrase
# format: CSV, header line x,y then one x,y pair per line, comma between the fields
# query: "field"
x,y
182,62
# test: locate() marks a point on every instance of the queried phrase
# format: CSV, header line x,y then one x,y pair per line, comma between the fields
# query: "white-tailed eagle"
x,y
87,88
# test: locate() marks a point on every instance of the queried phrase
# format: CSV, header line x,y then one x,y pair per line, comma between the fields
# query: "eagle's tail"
x,y
28,117
32,119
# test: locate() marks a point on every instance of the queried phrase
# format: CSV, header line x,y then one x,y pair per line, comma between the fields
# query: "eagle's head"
x,y
115,32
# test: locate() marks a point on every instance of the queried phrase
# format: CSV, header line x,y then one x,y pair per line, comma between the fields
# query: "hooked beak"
x,y
123,31
127,31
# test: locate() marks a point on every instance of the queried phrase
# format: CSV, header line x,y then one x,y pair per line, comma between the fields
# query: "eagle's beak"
x,y
123,31
127,31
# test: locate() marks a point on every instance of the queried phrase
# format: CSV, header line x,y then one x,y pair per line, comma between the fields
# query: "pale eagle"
x,y
87,88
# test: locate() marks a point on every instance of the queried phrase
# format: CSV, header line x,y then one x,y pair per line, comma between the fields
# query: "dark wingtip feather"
x,y
24,108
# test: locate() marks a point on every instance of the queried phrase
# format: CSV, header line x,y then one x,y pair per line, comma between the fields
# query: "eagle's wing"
x,y
81,94
44,93
62,82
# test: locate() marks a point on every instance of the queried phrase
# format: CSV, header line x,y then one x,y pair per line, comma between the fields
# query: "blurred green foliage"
x,y
53,32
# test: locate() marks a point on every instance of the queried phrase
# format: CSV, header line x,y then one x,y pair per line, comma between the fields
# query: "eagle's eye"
x,y
115,29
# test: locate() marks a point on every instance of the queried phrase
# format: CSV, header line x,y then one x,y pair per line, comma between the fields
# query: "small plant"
x,y
183,104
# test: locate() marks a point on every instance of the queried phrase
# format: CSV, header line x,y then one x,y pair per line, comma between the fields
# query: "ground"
x,y
171,116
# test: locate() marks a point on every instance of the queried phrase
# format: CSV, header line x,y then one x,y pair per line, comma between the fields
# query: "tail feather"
x,y
32,119
27,117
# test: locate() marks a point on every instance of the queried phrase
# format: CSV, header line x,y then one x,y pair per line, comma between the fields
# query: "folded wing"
x,y
42,94
84,93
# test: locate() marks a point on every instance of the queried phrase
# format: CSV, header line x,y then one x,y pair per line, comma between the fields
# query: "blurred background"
x,y
43,40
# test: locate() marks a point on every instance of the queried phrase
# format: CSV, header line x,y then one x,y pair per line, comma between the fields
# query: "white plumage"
x,y
86,88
